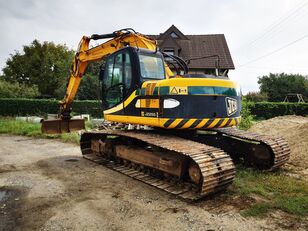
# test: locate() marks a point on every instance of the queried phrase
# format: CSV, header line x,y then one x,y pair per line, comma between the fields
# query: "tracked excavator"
x,y
187,142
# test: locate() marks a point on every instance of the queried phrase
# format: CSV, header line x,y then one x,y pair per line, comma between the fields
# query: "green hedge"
x,y
268,110
41,107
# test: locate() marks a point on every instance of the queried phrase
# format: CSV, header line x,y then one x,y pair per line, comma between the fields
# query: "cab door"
x,y
117,79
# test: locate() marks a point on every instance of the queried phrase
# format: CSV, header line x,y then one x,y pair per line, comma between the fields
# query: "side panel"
x,y
183,107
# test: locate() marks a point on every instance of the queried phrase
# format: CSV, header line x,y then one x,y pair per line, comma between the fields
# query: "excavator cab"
x,y
126,70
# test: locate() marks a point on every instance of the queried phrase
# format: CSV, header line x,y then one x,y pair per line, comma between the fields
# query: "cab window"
x,y
117,79
151,67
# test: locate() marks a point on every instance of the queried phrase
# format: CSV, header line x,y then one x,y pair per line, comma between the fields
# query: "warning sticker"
x,y
178,91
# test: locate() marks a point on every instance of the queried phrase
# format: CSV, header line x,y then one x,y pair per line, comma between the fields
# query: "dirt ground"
x,y
295,130
47,185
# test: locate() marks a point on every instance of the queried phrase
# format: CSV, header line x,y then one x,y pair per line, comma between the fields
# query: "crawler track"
x,y
216,167
260,151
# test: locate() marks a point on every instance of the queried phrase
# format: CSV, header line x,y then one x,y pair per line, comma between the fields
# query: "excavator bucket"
x,y
58,126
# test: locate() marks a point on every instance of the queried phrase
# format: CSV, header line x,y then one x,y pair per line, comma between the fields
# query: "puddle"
x,y
4,194
10,194
10,202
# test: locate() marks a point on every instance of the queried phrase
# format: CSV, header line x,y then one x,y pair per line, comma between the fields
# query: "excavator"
x,y
184,138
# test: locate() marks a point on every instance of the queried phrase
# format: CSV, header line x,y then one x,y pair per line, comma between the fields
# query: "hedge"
x,y
41,107
268,110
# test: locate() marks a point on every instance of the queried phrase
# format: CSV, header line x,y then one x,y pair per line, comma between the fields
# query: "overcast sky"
x,y
263,35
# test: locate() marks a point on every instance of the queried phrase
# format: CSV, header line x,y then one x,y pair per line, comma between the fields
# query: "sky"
x,y
263,35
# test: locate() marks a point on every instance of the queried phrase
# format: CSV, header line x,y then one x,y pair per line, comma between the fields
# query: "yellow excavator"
x,y
185,141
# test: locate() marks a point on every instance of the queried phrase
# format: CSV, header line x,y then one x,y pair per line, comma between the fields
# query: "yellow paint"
x,y
189,123
149,103
120,106
159,122
202,123
224,123
184,82
213,123
232,123
175,123
150,121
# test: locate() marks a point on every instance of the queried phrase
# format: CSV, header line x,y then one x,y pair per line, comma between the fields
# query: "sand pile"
x,y
295,130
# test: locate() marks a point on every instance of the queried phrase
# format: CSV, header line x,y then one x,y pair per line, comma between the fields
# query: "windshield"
x,y
151,67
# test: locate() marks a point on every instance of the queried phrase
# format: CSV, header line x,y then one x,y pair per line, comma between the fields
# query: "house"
x,y
207,52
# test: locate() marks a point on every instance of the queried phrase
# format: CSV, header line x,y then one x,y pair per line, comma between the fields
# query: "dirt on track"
x,y
47,185
295,130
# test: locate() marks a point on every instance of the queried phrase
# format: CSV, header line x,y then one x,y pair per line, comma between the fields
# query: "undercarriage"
x,y
189,164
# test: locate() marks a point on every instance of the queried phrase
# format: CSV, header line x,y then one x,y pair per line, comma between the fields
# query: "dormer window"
x,y
174,35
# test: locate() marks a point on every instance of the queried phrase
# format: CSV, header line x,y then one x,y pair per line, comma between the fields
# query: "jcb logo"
x,y
231,105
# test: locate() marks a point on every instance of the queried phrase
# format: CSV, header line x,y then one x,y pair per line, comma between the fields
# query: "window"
x,y
117,79
174,35
151,67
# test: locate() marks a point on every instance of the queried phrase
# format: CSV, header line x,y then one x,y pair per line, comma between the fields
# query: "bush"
x,y
256,97
247,118
17,90
41,107
268,110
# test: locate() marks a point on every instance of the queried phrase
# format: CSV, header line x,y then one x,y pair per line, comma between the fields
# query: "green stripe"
x,y
142,91
205,90
155,92
164,90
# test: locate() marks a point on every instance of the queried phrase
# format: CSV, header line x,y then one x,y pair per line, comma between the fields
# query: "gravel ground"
x,y
47,185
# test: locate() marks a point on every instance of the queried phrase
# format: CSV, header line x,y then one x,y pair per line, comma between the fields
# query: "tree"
x,y
277,86
90,87
256,96
45,65
17,90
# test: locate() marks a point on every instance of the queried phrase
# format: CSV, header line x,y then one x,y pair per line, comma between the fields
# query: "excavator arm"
x,y
85,55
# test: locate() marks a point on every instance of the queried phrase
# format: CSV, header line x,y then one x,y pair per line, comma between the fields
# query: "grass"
x,y
276,190
24,128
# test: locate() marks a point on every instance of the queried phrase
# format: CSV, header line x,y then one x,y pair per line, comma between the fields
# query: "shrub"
x,y
247,118
41,107
17,90
256,97
268,110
